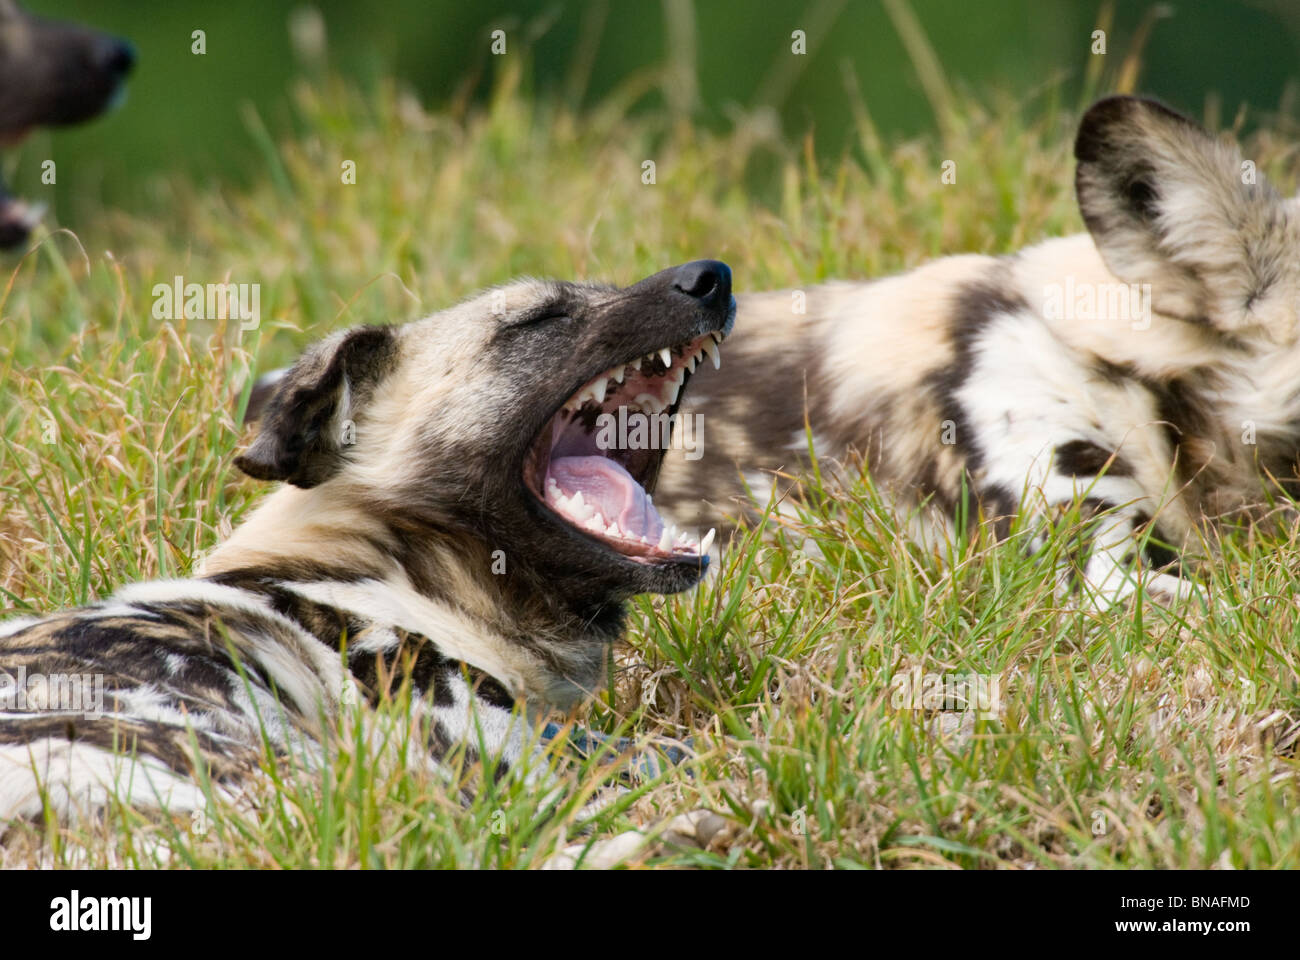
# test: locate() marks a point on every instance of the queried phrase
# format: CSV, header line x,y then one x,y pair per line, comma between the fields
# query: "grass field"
x,y
1137,737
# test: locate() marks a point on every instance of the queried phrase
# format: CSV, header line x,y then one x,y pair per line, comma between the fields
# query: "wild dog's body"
x,y
415,537
239,670
979,367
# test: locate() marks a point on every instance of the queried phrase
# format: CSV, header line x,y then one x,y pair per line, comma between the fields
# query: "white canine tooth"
x,y
618,374
666,356
714,352
598,391
690,364
635,364
707,541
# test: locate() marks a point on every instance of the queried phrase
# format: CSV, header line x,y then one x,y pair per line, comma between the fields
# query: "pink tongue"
x,y
609,488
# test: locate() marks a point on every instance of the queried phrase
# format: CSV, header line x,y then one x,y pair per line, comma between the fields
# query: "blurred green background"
x,y
188,113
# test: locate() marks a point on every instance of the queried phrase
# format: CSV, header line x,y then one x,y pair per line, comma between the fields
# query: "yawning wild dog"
x,y
441,484
51,74
1149,368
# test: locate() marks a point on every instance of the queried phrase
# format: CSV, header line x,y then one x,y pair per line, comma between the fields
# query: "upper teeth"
x,y
714,349
669,386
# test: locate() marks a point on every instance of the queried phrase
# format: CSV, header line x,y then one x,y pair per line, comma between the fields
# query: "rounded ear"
x,y
260,395
1171,206
304,409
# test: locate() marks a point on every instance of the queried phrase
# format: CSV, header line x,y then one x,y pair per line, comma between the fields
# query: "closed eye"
x,y
539,318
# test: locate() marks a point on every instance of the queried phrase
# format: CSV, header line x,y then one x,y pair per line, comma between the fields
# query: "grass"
x,y
1136,737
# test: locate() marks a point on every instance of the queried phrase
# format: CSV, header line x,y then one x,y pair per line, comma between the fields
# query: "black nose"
x,y
708,281
115,57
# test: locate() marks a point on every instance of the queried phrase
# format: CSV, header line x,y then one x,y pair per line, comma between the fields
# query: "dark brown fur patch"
x,y
1080,458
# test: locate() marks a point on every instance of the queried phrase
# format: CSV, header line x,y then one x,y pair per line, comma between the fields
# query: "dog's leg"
x,y
1110,573
1114,514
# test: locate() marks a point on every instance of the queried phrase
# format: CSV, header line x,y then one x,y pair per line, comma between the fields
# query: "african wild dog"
x,y
1150,366
445,508
51,74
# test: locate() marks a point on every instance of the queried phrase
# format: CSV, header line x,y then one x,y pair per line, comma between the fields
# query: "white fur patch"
x,y
396,604
79,779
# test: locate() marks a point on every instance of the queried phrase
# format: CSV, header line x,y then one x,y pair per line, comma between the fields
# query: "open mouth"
x,y
597,475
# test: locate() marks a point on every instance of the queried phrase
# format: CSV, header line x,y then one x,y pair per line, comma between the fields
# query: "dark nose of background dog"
x,y
113,56
708,281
